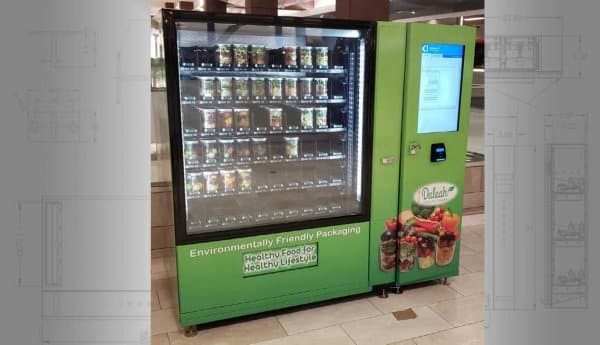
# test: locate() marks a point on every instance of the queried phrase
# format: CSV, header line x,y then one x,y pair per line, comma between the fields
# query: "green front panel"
x,y
229,278
431,194
389,83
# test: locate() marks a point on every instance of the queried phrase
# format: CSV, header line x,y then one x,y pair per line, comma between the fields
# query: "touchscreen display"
x,y
440,86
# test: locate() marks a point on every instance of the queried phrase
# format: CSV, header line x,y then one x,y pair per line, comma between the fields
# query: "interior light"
x,y
409,12
473,19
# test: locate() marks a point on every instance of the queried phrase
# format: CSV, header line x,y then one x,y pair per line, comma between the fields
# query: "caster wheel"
x,y
397,290
190,331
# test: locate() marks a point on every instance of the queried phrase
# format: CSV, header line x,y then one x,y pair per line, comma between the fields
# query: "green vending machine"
x,y
271,134
421,127
286,150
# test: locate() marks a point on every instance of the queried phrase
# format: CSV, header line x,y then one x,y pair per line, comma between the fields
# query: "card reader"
x,y
438,152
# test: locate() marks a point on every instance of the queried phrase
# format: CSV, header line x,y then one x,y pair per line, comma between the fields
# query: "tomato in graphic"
x,y
391,224
450,221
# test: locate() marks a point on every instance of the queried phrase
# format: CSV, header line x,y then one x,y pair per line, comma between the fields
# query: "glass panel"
x,y
272,122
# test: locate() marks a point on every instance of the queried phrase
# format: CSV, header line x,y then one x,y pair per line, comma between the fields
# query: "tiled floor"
x,y
446,314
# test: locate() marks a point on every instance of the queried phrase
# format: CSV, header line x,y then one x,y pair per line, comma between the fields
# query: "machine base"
x,y
280,302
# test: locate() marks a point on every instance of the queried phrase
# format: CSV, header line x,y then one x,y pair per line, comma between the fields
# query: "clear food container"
x,y
207,88
321,91
240,55
224,88
291,88
321,117
306,88
227,150
290,57
223,55
259,149
258,56
210,151
228,179
306,57
244,154
274,85
307,118
212,182
275,119
225,120
208,120
244,179
258,88
241,87
242,119
322,57
194,184
291,147
191,152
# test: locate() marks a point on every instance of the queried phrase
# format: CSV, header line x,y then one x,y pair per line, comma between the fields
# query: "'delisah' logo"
x,y
434,194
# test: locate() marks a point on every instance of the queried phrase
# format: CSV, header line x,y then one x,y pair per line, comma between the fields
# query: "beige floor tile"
x,y
158,269
473,228
242,333
385,329
161,339
467,284
165,289
473,240
461,311
326,336
472,262
414,297
466,250
164,321
462,270
405,342
321,317
474,219
466,335
478,230
155,302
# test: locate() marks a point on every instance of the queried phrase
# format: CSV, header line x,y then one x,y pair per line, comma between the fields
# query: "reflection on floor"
x,y
448,315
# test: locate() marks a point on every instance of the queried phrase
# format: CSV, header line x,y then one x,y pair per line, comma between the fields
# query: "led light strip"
x,y
361,80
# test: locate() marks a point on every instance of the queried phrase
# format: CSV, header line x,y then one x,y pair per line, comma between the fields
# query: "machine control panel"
x,y
438,152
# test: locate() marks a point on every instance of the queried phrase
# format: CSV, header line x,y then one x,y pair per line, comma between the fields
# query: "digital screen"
x,y
440,86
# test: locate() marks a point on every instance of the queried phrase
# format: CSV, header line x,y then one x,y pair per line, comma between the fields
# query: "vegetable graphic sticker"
x,y
446,245
387,246
407,242
425,251
428,230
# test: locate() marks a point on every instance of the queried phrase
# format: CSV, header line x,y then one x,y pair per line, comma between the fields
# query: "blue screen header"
x,y
446,50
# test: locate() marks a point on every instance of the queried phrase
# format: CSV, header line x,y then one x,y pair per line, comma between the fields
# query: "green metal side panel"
x,y
389,83
224,279
418,175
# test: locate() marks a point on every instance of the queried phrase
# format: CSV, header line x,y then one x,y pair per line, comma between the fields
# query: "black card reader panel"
x,y
438,152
